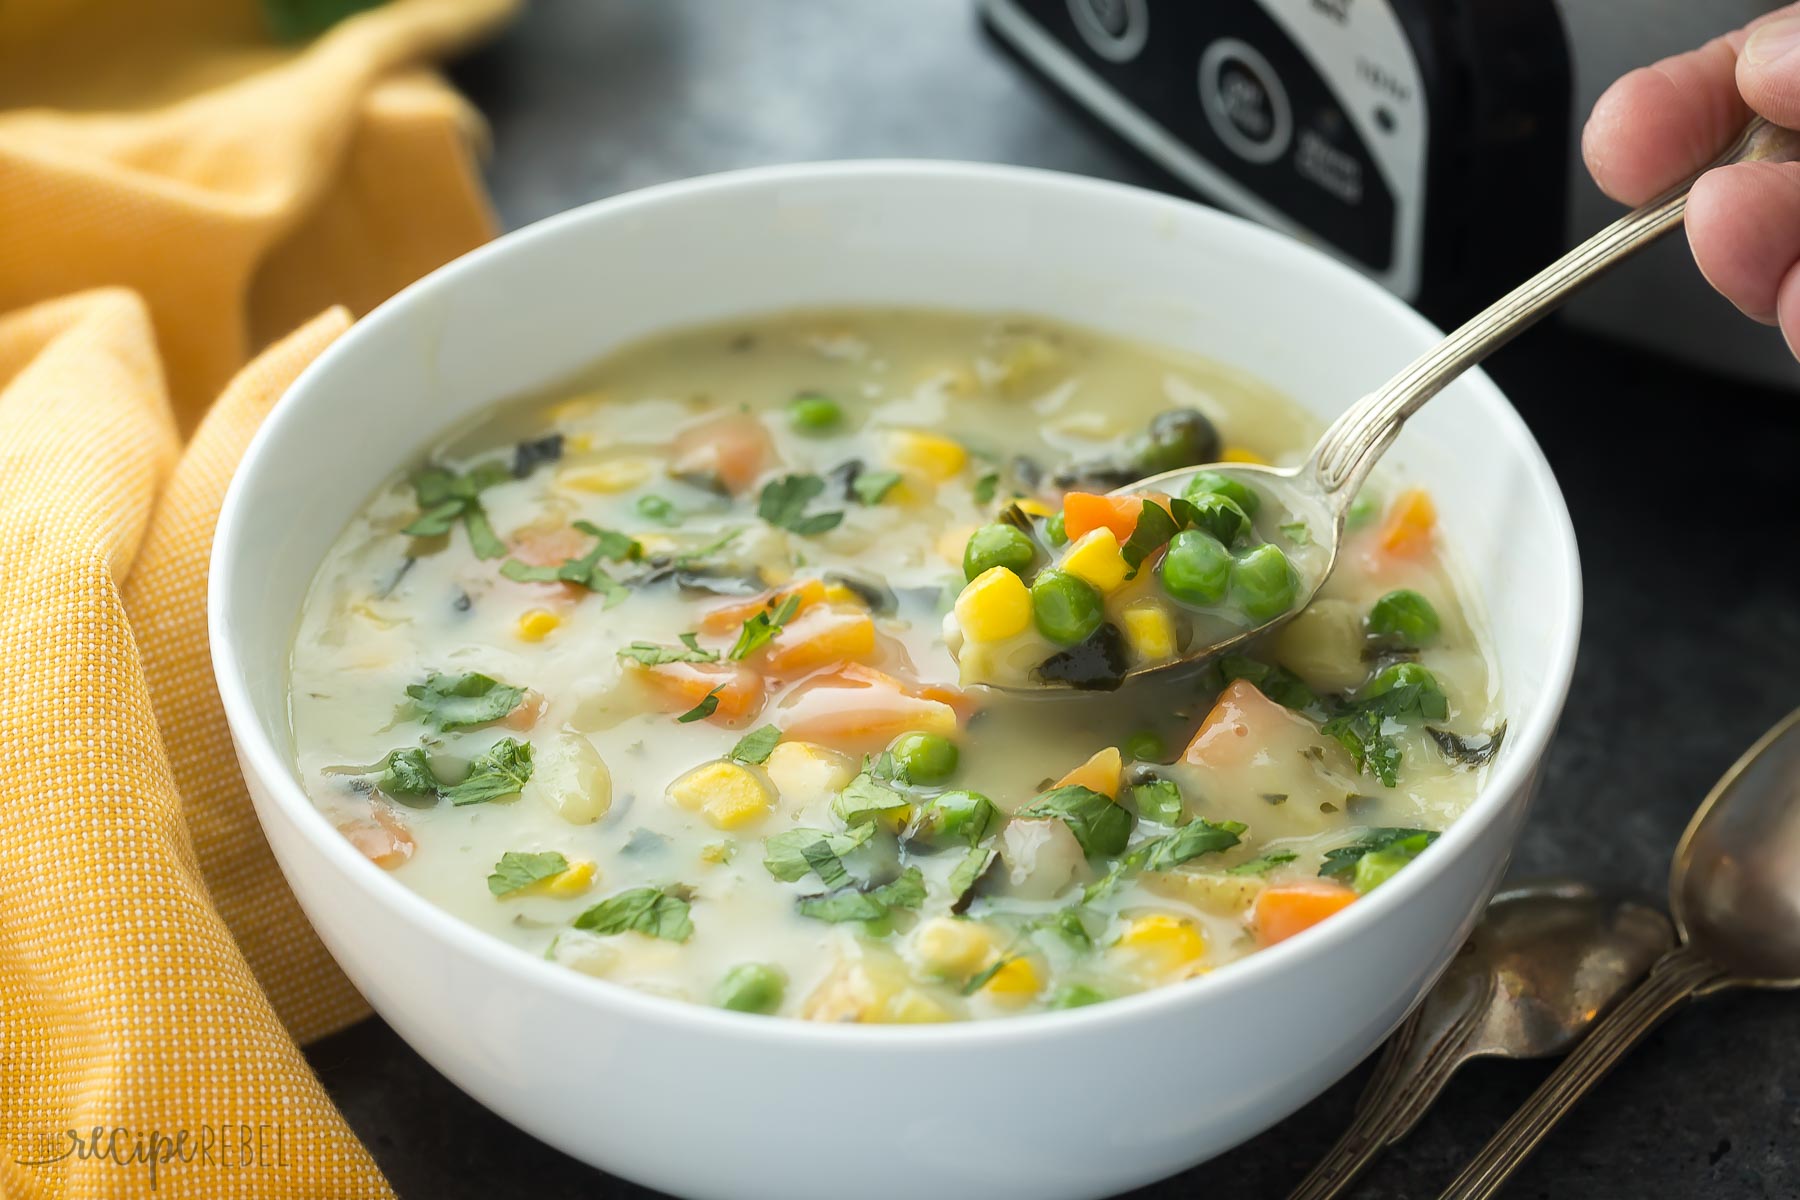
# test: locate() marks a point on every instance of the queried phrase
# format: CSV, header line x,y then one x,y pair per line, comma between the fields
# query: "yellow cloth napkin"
x,y
193,193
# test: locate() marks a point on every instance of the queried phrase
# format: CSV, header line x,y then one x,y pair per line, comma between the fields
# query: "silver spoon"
x,y
1545,961
1734,889
1319,491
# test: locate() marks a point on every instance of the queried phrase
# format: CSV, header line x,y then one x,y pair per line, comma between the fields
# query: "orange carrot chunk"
x,y
734,449
380,838
679,686
1084,512
1409,525
818,637
728,618
1101,773
1282,910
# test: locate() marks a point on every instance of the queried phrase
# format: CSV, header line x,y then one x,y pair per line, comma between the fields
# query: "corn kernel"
x,y
727,794
1014,983
1095,557
952,542
931,454
994,606
716,853
578,443
536,625
572,881
807,774
1036,508
1149,631
613,475
1237,454
1162,945
952,948
574,408
838,593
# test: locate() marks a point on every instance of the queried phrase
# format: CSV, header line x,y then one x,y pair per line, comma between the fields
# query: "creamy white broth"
x,y
387,610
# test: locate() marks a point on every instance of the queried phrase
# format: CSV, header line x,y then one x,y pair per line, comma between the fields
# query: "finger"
x,y
1768,70
1743,223
1788,305
1659,124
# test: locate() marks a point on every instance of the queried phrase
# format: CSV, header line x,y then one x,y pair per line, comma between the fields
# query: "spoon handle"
x,y
1413,1068
1676,976
1350,447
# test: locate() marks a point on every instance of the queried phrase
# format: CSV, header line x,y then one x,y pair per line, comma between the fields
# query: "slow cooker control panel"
x,y
1308,115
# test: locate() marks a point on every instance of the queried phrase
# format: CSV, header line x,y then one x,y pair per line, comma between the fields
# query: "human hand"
x,y
1659,124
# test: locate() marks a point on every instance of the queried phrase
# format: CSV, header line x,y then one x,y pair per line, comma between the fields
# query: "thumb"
x,y
1768,68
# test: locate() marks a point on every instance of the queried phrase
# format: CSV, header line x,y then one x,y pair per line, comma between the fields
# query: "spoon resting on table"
x,y
1547,959
1318,493
1734,889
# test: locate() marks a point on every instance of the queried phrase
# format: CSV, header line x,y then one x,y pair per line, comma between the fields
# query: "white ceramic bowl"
x,y
708,1103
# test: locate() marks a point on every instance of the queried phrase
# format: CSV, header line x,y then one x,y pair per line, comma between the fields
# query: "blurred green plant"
x,y
298,20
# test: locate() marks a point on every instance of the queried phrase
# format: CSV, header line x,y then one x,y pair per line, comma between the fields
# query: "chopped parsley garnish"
x,y
983,977
1158,801
533,453
792,855
1403,692
866,797
463,701
650,911
709,704
1468,751
584,571
407,773
446,497
1277,683
649,654
1341,863
1153,530
870,486
854,904
966,874
1167,852
763,625
1101,826
783,504
1066,923
518,869
1296,532
757,745
986,486
500,772
1264,864
658,509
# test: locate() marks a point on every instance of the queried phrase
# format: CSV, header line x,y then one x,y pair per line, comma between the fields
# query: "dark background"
x,y
1682,488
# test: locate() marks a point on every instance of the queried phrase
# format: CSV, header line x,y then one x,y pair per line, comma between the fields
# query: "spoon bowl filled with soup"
x,y
618,628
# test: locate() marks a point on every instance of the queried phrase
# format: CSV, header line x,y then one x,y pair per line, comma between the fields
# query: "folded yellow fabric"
x,y
193,194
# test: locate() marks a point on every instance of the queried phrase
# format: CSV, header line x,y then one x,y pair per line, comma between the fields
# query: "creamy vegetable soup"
x,y
651,674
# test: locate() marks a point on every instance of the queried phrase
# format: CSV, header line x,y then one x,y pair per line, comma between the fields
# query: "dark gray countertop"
x,y
1691,645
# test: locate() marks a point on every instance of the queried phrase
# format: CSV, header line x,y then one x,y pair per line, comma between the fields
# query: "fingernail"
x,y
1769,42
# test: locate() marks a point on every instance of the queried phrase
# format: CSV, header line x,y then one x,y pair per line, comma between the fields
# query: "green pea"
x,y
1221,516
1378,866
751,988
1065,609
1181,437
1076,995
1403,618
1406,690
1217,484
956,817
1053,529
811,412
926,758
997,546
1196,569
1263,583
1146,745
1362,510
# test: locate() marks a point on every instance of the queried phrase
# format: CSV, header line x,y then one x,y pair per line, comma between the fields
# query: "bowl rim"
x,y
1528,734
